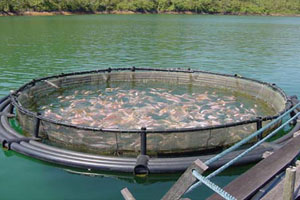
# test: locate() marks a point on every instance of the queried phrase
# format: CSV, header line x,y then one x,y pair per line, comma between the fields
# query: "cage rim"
x,y
14,94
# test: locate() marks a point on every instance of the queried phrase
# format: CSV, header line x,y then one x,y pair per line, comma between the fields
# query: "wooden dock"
x,y
250,184
278,191
246,185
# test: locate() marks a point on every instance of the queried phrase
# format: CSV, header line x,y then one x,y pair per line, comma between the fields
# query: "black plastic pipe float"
x,y
123,164
143,164
37,125
259,126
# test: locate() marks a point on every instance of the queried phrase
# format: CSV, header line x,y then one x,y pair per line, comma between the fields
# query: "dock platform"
x,y
246,185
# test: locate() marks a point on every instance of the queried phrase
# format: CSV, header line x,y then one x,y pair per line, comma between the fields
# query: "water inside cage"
x,y
151,105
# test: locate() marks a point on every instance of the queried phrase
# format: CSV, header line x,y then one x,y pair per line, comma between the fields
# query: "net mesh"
x,y
99,140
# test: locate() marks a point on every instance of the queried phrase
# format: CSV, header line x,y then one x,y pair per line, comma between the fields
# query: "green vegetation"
x,y
261,7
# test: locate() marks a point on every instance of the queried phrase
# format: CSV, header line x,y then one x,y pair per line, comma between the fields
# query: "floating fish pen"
x,y
104,119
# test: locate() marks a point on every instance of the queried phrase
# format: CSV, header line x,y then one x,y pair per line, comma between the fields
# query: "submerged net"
x,y
183,111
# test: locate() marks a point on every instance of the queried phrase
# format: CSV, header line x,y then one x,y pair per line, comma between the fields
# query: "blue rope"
x,y
213,186
251,148
243,142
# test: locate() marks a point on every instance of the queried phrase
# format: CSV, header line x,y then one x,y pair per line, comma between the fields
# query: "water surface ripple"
x,y
264,48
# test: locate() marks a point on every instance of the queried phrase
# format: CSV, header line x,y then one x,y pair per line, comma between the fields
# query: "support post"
x,y
186,180
143,141
37,126
11,109
289,183
141,165
259,126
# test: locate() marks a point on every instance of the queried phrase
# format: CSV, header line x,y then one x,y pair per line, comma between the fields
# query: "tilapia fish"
x,y
154,108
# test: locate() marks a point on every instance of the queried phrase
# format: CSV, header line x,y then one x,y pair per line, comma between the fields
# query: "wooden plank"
x,y
251,181
185,181
277,191
127,194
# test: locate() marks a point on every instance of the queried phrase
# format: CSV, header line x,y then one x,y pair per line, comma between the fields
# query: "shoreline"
x,y
67,13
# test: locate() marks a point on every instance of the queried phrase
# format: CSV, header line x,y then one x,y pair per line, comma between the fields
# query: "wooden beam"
x,y
277,191
127,194
251,181
185,181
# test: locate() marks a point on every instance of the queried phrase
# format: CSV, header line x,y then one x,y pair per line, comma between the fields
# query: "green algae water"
x,y
264,48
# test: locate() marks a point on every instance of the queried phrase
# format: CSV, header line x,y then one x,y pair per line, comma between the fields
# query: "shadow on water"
x,y
128,177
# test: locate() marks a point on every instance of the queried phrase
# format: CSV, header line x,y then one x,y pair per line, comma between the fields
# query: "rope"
x,y
240,143
221,169
250,149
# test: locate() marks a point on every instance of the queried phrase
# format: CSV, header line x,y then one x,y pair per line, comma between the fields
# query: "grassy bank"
x,y
235,7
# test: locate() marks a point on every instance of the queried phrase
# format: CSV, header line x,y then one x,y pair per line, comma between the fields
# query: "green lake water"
x,y
264,48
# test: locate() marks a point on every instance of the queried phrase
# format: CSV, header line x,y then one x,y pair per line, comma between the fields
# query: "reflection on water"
x,y
153,178
260,47
265,48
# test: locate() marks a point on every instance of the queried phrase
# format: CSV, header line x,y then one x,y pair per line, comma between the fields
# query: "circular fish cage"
x,y
104,119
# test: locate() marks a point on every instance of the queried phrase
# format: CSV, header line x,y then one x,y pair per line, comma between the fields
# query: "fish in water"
x,y
121,108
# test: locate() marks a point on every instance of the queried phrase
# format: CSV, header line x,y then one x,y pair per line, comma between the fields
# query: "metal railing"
x,y
217,189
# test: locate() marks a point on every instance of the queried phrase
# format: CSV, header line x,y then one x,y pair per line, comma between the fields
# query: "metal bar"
x,y
251,148
143,141
259,126
212,186
221,169
245,140
37,126
11,109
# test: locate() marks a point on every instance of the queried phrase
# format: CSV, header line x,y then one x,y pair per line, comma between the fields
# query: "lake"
x,y
264,48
